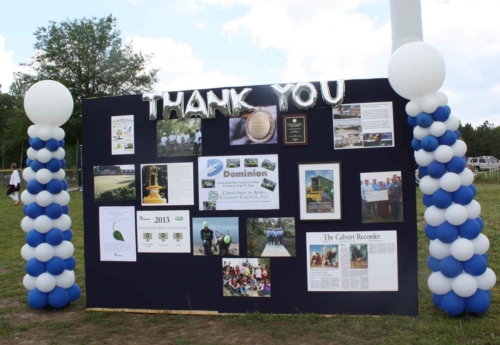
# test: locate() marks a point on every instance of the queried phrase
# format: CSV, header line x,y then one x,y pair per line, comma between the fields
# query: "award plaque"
x,y
295,130
260,126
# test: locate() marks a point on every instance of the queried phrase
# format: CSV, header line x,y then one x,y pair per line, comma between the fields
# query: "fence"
x,y
73,178
492,175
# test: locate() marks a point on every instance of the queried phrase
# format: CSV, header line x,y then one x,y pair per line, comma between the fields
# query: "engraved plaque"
x,y
260,126
295,130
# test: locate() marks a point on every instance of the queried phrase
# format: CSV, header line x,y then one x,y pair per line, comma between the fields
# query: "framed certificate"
x,y
295,130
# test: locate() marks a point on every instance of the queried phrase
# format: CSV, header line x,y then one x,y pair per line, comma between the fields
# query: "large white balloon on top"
x,y
416,70
48,103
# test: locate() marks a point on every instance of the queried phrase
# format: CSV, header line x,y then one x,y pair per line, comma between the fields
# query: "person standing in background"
x,y
197,142
14,184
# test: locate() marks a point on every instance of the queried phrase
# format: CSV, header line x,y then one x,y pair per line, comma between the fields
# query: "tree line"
x,y
484,140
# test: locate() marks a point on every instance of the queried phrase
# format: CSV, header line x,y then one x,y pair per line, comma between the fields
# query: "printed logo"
x,y
213,195
179,218
214,166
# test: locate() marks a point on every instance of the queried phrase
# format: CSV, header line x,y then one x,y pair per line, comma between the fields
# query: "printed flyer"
x,y
163,232
122,135
117,233
238,183
352,261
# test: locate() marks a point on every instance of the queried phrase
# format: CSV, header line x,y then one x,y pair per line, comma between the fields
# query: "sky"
x,y
219,43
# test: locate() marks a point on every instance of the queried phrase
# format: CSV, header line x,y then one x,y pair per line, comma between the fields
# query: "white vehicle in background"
x,y
483,163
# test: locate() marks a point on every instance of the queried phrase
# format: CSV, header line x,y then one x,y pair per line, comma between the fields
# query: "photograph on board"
x,y
381,197
180,137
246,277
114,183
359,256
216,236
257,127
377,139
324,256
154,179
347,111
268,237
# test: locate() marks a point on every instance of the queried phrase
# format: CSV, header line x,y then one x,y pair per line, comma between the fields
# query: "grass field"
x,y
104,183
19,324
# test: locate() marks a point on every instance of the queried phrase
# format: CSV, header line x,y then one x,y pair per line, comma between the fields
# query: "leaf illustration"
x,y
118,235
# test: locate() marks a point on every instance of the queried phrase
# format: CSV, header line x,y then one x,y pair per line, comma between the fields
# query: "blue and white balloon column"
x,y
48,252
461,280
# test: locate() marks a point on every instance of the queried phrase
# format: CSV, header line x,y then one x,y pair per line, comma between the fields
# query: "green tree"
x,y
88,57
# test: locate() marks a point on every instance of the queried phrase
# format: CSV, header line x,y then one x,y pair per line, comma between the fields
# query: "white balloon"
x,y
43,155
467,177
33,131
424,158
434,216
45,282
44,252
44,198
58,134
31,153
473,209
429,104
27,224
27,198
63,222
27,252
65,250
416,69
28,174
443,154
459,148
62,198
421,132
59,153
59,174
43,224
452,123
48,103
464,285
413,108
437,128
450,182
456,214
43,176
439,250
45,132
439,284
487,280
441,98
29,282
462,249
429,185
481,244
67,279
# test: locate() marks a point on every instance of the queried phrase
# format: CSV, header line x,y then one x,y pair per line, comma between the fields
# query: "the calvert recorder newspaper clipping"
x,y
352,261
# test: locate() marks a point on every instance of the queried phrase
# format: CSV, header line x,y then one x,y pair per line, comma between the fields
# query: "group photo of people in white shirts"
x,y
178,137
246,277
381,197
268,237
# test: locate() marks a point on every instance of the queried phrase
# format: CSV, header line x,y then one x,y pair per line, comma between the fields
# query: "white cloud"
x,y
7,66
179,69
200,26
133,2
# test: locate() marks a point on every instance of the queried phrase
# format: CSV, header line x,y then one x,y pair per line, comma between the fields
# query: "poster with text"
x,y
122,135
117,233
365,125
167,184
238,183
352,261
163,232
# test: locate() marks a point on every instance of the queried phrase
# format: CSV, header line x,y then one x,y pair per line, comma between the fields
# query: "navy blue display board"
x,y
187,282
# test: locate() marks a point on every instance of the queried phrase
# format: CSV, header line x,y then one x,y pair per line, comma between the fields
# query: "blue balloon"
x,y
463,195
70,263
480,221
473,189
28,162
53,211
37,143
436,169
456,165
52,145
427,200
74,292
54,165
448,138
476,265
442,199
56,266
35,267
450,267
58,297
34,210
447,233
479,302
412,121
453,304
61,143
34,187
470,229
433,263
457,133
34,238
430,232
37,299
64,184
485,256
441,114
429,143
68,235
424,120
422,171
30,140
436,299
36,165
487,291
63,163
54,237
25,209
448,107
54,186
415,144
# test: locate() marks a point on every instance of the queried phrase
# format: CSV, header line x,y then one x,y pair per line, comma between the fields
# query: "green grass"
x,y
73,325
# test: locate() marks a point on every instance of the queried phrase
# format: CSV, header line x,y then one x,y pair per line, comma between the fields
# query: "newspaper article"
x,y
352,261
